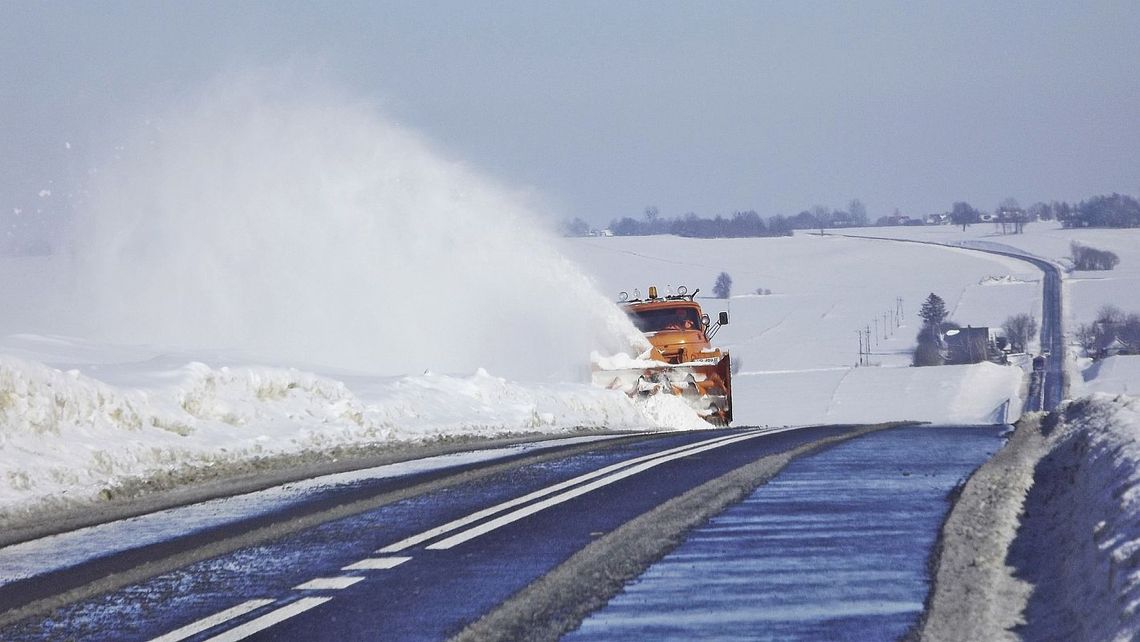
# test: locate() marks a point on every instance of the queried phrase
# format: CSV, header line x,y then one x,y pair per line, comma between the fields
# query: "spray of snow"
x,y
312,230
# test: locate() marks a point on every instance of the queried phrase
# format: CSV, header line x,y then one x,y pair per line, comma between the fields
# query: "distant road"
x,y
1052,333
1047,388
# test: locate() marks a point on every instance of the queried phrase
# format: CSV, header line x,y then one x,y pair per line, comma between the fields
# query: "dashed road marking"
x,y
376,564
211,621
269,619
329,583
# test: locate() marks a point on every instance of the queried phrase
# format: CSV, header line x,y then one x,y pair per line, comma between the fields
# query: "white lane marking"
x,y
269,619
516,515
328,583
487,512
376,564
211,621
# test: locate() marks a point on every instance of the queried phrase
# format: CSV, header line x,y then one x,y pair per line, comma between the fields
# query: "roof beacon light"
x,y
653,291
623,296
682,290
637,293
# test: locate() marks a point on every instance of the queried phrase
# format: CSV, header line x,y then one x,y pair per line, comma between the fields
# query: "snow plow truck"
x,y
682,360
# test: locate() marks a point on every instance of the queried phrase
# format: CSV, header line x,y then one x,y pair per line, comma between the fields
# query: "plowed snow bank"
x,y
1079,543
67,436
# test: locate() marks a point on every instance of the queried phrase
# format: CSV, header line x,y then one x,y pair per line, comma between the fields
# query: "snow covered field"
x,y
1085,292
798,347
81,416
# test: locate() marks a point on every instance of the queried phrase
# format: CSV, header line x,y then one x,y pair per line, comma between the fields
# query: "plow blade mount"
x,y
705,385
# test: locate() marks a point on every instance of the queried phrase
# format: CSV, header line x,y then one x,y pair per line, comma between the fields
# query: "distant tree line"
x,y
740,224
1115,210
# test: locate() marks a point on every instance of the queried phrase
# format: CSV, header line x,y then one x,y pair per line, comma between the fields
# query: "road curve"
x,y
1049,385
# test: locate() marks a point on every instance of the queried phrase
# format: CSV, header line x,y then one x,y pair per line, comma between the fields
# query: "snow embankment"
x,y
1043,542
1079,541
67,436
1113,375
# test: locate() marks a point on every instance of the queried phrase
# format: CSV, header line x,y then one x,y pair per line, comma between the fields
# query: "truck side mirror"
x,y
723,318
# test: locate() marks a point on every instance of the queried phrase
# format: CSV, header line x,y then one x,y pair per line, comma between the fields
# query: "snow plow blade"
x,y
706,385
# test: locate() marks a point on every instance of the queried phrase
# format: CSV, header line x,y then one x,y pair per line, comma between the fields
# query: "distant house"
x,y
1114,348
938,219
1012,214
986,217
971,345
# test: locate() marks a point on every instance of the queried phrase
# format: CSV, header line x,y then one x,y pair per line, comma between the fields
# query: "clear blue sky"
x,y
607,107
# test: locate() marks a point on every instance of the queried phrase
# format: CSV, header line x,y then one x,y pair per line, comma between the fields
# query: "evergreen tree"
x,y
933,313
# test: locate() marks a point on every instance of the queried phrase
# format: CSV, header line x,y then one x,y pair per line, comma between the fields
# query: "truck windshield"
x,y
666,319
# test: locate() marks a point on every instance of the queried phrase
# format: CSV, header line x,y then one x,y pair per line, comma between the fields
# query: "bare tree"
x,y
1020,329
963,214
857,213
1087,337
823,217
723,286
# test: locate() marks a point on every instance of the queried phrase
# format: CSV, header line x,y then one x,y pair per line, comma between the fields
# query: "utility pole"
x,y
876,330
868,331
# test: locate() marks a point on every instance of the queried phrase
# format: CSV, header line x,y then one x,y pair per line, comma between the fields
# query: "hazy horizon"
x,y
597,110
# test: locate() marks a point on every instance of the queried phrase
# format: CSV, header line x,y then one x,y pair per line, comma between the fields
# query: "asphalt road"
x,y
451,545
424,556
835,547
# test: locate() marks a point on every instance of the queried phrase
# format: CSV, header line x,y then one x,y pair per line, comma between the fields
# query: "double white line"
x,y
578,486
554,495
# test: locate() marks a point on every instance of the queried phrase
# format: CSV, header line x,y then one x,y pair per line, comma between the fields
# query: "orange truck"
x,y
682,360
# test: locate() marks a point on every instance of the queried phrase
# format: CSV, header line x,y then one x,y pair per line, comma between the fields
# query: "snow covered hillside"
x,y
1085,292
798,347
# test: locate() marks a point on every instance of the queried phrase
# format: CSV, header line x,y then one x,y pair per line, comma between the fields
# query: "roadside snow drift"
x,y
67,437
1079,542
